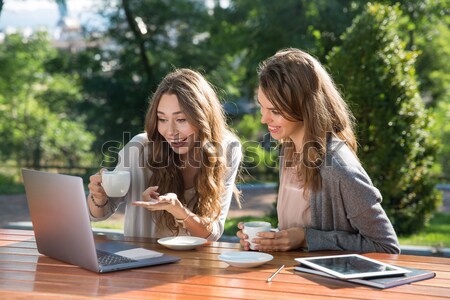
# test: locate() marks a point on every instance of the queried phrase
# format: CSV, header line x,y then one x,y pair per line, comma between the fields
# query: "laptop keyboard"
x,y
108,259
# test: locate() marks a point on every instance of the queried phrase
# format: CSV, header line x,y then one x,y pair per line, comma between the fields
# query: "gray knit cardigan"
x,y
346,213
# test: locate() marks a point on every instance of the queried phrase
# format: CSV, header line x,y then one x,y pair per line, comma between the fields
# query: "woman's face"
x,y
279,127
174,126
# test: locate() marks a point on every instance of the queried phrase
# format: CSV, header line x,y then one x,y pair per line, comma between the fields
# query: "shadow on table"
x,y
330,283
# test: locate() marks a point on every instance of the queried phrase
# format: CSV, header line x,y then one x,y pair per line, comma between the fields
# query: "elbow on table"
x,y
216,232
392,248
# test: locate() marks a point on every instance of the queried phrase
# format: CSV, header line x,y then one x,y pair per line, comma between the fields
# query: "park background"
x,y
73,93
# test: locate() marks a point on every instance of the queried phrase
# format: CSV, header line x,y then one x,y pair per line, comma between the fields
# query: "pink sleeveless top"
x,y
293,206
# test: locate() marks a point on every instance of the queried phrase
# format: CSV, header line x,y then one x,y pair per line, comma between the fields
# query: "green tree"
x,y
427,30
145,40
252,30
258,162
379,80
441,129
433,65
38,123
259,28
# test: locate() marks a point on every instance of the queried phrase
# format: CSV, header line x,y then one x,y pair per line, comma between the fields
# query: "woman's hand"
x,y
243,237
168,202
284,240
95,187
150,195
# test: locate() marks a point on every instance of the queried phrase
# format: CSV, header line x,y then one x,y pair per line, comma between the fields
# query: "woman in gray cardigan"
x,y
326,200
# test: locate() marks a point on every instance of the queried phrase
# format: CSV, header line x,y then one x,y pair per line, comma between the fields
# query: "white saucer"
x,y
245,259
181,242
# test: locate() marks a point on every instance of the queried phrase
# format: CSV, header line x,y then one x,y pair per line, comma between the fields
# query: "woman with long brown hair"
x,y
326,200
182,168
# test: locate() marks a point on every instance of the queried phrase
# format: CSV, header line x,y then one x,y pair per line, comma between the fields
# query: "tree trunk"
x,y
138,37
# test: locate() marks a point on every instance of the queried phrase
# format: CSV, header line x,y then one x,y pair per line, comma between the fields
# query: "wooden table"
x,y
26,274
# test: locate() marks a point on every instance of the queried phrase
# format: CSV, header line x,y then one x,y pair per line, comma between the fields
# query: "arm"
x,y
360,222
234,158
375,235
196,225
102,207
152,201
346,215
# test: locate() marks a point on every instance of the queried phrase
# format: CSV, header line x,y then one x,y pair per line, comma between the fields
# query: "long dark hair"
x,y
199,102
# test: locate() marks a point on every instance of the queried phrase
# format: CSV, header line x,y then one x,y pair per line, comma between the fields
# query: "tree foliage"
x,y
52,96
38,123
441,130
145,40
378,78
259,28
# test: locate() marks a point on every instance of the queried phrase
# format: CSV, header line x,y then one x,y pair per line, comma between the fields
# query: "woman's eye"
x,y
275,112
181,120
161,120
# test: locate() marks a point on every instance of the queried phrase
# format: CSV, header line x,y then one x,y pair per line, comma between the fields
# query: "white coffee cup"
x,y
252,228
116,183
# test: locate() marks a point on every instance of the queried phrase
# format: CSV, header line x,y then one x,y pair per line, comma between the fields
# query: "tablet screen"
x,y
351,266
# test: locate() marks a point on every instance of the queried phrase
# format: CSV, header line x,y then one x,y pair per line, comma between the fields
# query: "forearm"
x,y
101,209
97,207
347,241
374,233
196,225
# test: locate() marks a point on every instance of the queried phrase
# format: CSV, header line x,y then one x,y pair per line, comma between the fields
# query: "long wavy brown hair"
x,y
299,87
199,102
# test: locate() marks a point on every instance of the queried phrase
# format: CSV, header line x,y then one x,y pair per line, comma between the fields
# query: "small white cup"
x,y
252,228
116,183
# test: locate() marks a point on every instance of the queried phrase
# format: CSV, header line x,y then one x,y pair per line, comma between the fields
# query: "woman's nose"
x,y
172,128
263,118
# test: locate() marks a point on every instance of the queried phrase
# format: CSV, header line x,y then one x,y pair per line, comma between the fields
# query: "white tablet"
x,y
348,266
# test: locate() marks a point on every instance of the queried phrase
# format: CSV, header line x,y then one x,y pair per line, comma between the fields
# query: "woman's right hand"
x,y
243,236
95,187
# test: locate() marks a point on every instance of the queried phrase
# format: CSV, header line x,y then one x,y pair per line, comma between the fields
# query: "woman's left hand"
x,y
284,240
168,202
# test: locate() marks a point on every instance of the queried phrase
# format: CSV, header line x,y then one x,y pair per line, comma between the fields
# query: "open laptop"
x,y
62,227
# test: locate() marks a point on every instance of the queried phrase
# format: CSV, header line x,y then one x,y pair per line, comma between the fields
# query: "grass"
x,y
231,224
108,224
10,186
437,233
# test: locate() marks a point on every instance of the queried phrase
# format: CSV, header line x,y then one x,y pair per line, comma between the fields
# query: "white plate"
x,y
182,242
245,259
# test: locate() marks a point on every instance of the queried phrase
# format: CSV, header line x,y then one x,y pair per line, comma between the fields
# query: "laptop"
x,y
62,227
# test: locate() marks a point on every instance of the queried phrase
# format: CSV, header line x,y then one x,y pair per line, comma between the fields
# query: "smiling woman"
x,y
326,200
182,168
174,126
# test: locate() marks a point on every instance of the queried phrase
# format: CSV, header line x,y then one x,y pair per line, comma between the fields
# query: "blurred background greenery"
x,y
68,105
